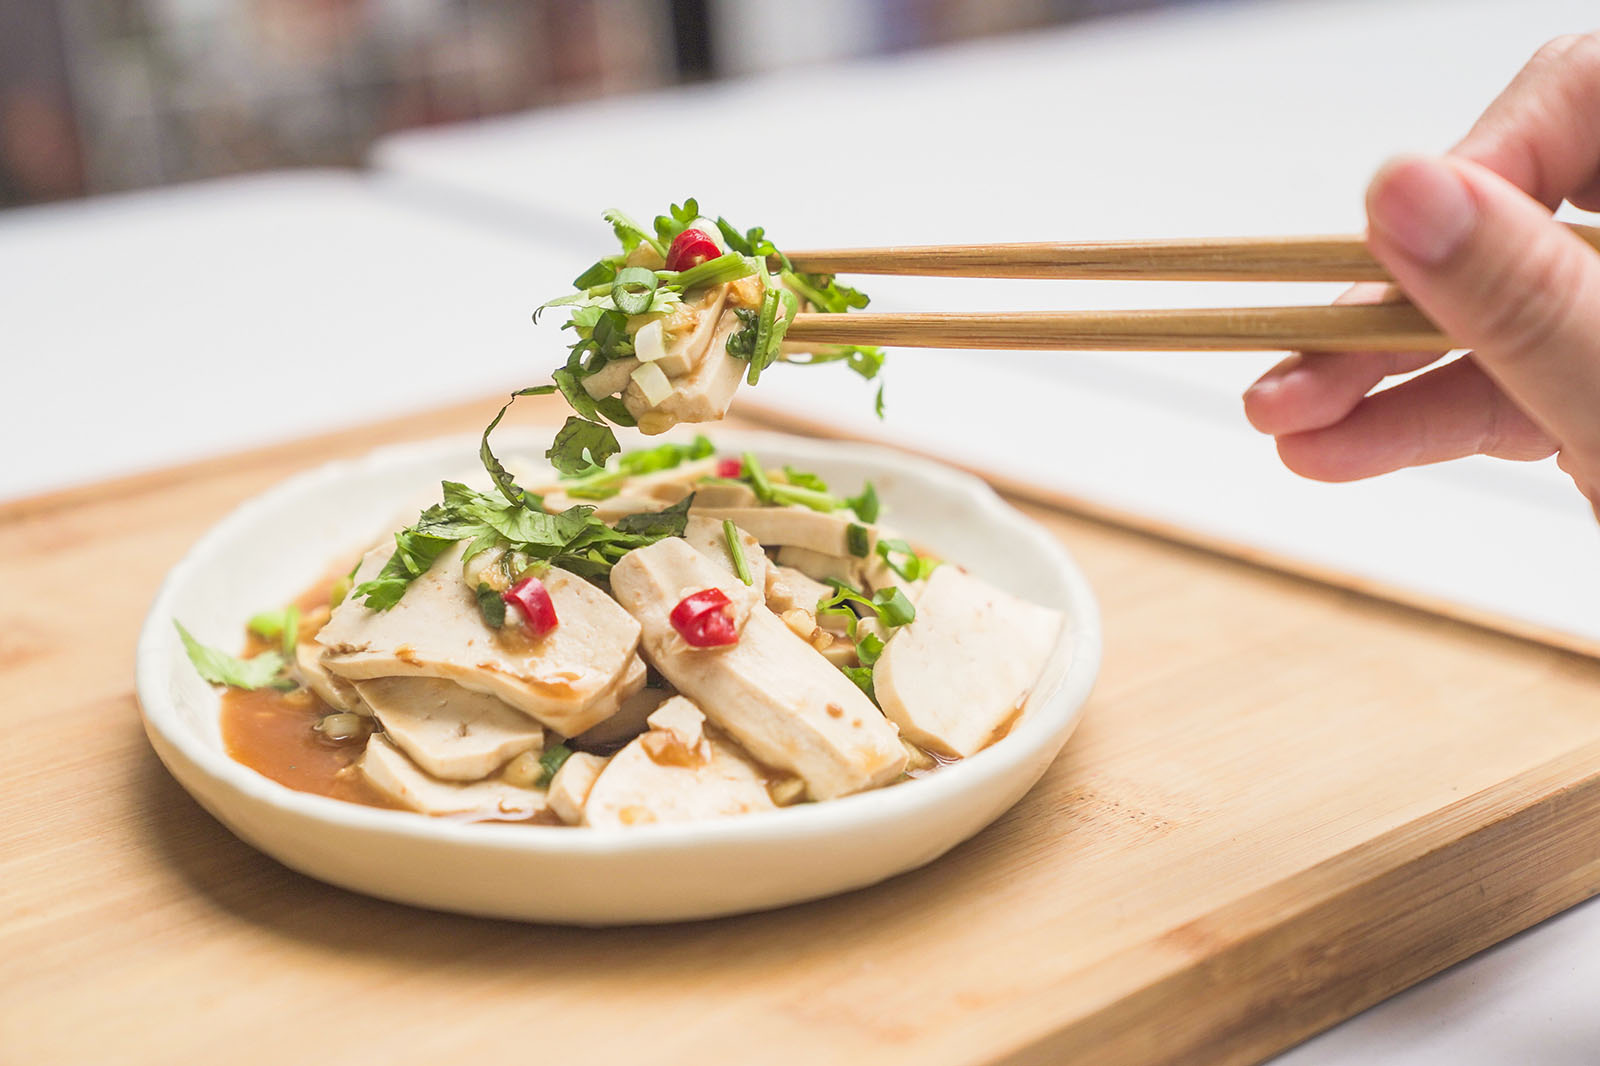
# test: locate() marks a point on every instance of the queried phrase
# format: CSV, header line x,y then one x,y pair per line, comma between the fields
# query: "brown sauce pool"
x,y
273,732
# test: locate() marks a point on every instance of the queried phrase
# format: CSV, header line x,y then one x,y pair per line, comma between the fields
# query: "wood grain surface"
x,y
1286,802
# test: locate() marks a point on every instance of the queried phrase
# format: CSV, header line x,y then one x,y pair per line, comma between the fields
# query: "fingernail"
x,y
1423,206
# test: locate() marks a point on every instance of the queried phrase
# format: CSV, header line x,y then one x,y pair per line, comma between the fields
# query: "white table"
x,y
1227,119
155,328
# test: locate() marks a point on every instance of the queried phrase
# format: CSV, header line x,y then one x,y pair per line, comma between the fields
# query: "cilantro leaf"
x,y
824,293
862,676
503,480
677,220
581,445
914,567
220,668
866,505
630,233
414,554
667,523
806,480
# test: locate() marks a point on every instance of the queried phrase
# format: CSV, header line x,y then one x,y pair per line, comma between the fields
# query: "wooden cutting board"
x,y
1286,802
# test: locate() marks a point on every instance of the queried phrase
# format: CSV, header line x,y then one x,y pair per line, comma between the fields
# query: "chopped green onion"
x,y
633,290
282,626
718,271
855,536
736,551
757,477
552,760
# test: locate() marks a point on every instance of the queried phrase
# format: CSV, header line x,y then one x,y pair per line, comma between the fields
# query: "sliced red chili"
x,y
533,598
730,467
691,248
703,619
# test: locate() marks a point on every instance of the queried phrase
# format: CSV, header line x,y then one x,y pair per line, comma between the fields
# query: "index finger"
x,y
1542,133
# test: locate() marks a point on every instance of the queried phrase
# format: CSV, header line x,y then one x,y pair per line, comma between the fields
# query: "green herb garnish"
x,y
913,567
220,668
736,551
551,760
491,604
857,540
865,505
282,625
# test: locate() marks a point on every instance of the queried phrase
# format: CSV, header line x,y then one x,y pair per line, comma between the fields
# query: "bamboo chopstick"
x,y
1203,259
1395,327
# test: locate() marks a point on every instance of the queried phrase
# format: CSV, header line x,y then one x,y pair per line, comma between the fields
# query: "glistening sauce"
x,y
273,732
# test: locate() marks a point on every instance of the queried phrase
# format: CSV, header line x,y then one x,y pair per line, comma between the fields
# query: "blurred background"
x,y
103,95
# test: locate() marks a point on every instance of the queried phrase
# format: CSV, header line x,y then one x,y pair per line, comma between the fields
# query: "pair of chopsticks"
x,y
1394,325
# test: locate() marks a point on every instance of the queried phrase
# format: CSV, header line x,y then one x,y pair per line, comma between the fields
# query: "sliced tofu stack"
x,y
771,691
332,689
398,778
703,394
953,678
675,772
453,733
570,680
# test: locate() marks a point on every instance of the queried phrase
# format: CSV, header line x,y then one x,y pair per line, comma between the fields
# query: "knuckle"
x,y
1555,48
1533,301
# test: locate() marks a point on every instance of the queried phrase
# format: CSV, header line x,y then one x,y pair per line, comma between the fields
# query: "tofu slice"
x,y
956,675
401,780
686,347
705,535
800,527
566,679
676,772
610,509
569,788
332,689
823,567
725,495
682,719
704,394
611,378
627,723
771,691
453,733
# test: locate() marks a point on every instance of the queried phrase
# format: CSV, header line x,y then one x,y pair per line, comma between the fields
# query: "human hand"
x,y
1470,239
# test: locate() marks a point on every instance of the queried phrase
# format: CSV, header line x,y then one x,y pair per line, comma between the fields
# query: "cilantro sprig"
x,y
574,540
892,609
265,670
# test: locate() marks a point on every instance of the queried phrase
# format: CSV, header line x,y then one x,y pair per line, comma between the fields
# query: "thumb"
x,y
1490,266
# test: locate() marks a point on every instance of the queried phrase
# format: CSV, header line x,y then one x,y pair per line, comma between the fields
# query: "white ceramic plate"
x,y
275,545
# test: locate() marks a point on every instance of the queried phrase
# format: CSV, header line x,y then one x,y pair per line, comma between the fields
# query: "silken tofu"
x,y
570,679
787,705
955,676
